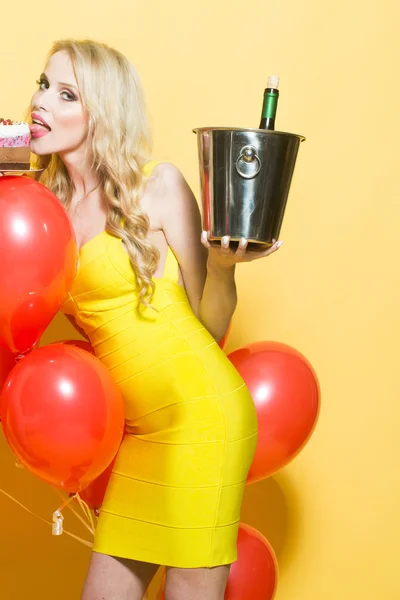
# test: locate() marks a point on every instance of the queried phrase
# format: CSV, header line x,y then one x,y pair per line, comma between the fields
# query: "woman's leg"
x,y
196,584
111,578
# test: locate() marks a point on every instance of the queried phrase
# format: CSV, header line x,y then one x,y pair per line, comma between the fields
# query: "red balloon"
x,y
254,576
286,393
94,494
38,258
63,415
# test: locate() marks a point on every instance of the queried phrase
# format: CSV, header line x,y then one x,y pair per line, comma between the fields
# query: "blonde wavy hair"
x,y
119,147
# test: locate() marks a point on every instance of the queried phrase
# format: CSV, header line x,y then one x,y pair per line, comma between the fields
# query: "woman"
x,y
153,297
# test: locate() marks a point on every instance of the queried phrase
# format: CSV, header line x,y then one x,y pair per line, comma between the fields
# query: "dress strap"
x,y
149,167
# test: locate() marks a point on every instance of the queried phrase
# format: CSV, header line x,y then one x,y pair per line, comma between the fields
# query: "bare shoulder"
x,y
178,208
161,183
165,176
168,171
169,192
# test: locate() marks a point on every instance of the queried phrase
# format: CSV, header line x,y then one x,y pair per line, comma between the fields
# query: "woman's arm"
x,y
181,224
219,299
212,294
208,271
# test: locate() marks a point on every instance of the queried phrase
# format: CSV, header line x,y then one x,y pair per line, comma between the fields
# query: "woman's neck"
x,y
83,178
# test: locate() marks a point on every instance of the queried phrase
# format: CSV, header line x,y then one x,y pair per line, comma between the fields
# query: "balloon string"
x,y
67,504
85,508
79,539
88,526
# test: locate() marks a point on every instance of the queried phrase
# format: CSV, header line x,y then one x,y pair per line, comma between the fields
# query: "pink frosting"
x,y
15,142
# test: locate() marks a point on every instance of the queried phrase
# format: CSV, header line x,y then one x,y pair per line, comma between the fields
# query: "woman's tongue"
x,y
39,130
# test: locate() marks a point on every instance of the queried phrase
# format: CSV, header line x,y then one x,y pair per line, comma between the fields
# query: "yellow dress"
x,y
175,493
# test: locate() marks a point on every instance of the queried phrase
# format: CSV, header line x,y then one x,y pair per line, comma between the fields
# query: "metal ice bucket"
x,y
245,176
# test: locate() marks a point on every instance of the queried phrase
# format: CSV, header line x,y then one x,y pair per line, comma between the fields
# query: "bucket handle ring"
x,y
248,157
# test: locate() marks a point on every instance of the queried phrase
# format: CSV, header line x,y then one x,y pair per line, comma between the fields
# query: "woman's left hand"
x,y
223,256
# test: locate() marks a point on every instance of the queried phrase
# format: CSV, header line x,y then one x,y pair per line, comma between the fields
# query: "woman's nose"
x,y
42,101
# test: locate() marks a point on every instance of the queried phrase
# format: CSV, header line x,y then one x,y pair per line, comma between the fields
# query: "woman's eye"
x,y
43,84
68,96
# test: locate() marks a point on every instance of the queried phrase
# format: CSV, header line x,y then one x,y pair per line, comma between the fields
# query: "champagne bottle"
x,y
271,95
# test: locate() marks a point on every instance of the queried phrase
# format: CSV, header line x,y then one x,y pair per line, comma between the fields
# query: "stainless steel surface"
x,y
245,177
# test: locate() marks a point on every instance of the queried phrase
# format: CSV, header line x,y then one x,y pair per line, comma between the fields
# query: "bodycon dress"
x,y
176,489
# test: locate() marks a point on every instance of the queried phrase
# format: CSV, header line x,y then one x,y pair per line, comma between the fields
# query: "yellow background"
x,y
332,291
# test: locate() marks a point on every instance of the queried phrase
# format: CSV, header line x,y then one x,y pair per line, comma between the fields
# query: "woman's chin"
x,y
40,148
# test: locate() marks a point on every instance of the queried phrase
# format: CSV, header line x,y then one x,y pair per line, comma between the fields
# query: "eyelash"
x,y
43,82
